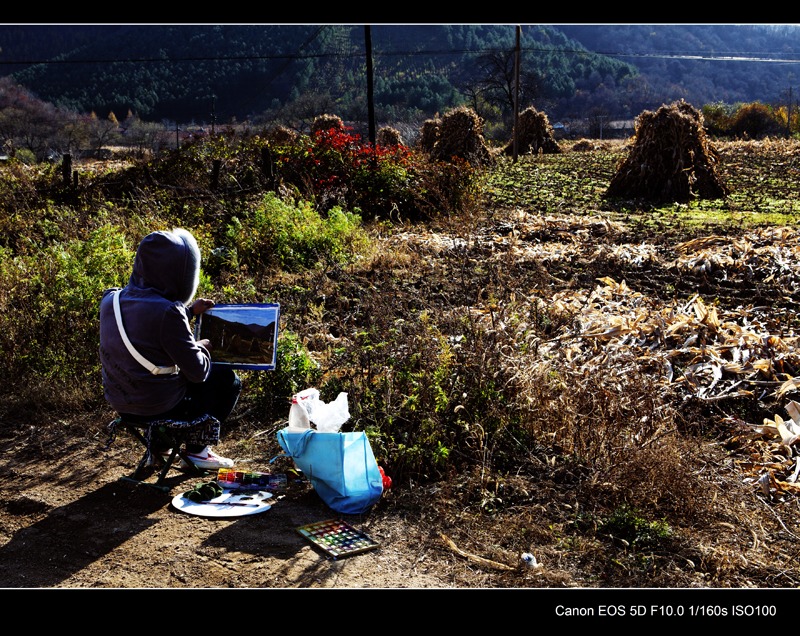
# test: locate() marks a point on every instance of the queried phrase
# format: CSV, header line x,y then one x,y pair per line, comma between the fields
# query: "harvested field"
x,y
658,349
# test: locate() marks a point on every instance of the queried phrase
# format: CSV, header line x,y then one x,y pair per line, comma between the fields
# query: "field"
x,y
656,345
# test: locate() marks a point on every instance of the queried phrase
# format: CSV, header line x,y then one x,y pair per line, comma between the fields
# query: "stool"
x,y
174,434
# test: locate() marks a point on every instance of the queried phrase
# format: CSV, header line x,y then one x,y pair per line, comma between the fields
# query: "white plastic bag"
x,y
326,417
298,417
330,417
306,399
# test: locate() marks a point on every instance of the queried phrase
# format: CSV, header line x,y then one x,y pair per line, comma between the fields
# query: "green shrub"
x,y
425,400
755,121
717,118
270,393
276,234
49,319
752,120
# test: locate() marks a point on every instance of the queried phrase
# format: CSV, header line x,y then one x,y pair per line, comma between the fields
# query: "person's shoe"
x,y
207,459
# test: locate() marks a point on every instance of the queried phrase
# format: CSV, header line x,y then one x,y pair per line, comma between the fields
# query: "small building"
x,y
620,128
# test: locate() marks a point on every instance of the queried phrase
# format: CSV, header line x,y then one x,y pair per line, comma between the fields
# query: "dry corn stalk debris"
x,y
700,350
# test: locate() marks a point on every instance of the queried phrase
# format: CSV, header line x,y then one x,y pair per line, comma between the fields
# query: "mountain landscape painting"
x,y
242,335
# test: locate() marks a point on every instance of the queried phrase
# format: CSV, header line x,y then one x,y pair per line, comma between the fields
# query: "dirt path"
x,y
69,522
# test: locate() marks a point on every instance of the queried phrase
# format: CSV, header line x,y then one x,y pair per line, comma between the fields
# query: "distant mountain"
x,y
703,63
178,72
207,73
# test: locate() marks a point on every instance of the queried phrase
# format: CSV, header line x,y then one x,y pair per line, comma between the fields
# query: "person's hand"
x,y
205,342
200,305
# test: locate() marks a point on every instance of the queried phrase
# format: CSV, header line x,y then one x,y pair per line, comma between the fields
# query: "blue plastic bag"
x,y
340,466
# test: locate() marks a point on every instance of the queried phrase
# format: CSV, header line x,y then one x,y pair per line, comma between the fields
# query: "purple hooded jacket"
x,y
156,317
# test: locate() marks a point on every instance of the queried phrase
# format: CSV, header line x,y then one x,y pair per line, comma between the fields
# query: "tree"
x,y
142,137
301,111
103,131
494,84
26,122
74,134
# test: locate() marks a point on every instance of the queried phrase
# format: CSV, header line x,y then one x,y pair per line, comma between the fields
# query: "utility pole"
x,y
516,92
370,101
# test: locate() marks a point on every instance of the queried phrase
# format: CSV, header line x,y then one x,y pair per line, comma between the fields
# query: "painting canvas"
x,y
244,336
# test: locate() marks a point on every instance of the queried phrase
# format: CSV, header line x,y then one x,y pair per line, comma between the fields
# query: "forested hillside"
x,y
704,63
208,73
244,72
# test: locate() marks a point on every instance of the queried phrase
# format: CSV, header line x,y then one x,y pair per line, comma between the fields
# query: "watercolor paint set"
x,y
233,479
337,538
